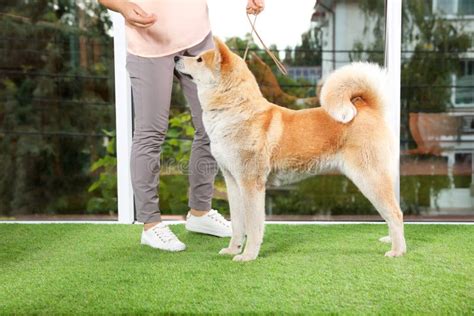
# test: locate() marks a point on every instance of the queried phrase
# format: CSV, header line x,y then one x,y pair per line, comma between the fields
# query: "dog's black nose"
x,y
176,58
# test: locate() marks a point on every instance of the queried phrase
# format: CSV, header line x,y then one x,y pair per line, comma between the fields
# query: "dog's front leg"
x,y
253,194
236,215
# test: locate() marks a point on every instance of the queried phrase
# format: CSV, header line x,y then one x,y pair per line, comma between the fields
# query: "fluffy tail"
x,y
353,87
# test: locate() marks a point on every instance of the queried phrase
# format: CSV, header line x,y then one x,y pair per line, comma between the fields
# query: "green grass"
x,y
101,269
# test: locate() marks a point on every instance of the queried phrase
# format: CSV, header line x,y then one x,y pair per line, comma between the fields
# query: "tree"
x,y
55,97
309,52
434,48
276,87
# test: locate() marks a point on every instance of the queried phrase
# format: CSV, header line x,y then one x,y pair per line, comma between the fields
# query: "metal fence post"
x,y
123,117
393,39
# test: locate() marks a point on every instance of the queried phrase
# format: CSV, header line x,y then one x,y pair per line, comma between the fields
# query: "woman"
x,y
157,31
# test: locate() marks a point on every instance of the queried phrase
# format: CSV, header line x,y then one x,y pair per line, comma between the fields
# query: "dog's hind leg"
x,y
236,215
253,194
377,186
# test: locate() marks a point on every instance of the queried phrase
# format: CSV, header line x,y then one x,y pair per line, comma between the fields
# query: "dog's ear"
x,y
222,55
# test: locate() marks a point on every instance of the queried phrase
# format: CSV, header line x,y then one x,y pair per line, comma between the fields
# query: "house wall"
x,y
349,29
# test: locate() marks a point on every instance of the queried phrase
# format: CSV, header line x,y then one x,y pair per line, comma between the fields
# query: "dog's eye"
x,y
199,60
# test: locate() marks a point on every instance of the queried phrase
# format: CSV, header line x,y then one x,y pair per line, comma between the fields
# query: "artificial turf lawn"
x,y
101,269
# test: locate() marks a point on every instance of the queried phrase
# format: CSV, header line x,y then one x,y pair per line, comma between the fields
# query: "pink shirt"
x,y
180,24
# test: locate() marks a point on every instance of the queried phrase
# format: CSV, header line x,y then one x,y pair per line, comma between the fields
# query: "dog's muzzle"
x,y
179,66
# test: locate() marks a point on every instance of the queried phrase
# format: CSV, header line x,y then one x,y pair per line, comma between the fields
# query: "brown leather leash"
x,y
275,59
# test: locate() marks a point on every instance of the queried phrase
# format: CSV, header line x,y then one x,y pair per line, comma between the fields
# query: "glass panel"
x,y
337,32
57,115
437,114
332,36
56,111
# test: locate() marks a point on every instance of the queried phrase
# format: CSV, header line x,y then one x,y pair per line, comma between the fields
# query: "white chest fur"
x,y
221,128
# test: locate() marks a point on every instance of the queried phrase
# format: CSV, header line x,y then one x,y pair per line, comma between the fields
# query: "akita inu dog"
x,y
255,141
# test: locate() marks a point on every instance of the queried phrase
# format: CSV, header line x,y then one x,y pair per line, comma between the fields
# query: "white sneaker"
x,y
212,223
161,237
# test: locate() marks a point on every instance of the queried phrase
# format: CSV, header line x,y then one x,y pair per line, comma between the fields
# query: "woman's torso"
x,y
180,24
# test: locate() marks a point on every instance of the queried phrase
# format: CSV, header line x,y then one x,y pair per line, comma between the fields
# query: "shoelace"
x,y
164,233
218,217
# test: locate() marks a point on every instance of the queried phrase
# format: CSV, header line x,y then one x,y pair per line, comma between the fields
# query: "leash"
x,y
275,59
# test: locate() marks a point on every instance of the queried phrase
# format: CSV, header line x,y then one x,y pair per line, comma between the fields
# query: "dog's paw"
x,y
394,253
229,251
244,258
386,239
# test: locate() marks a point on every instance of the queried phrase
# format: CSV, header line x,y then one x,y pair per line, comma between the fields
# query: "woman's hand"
x,y
135,15
255,6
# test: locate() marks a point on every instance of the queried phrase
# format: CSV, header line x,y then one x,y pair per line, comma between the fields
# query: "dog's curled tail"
x,y
352,87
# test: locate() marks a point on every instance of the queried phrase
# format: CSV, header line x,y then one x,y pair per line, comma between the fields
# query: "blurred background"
x,y
57,112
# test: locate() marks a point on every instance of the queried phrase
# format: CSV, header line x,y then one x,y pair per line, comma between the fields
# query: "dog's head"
x,y
211,66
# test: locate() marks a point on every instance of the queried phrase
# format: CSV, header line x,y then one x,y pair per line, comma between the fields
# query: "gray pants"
x,y
152,81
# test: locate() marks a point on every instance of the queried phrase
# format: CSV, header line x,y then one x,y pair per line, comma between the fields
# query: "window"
x,y
463,84
466,7
446,6
454,7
